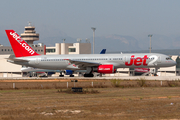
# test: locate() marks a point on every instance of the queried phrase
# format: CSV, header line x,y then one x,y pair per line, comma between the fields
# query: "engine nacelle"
x,y
68,72
50,73
105,69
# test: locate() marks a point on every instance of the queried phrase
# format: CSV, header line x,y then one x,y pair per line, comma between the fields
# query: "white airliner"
x,y
100,63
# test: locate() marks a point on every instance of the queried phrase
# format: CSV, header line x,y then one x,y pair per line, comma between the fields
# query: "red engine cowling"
x,y
106,69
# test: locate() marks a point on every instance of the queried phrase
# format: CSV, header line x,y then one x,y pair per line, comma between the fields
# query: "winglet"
x,y
19,46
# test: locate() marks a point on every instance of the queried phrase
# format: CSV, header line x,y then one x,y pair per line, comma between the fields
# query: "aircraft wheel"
x,y
71,76
91,75
88,75
61,75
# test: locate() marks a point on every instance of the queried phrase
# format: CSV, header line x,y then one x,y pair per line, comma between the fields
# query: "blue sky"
x,y
75,18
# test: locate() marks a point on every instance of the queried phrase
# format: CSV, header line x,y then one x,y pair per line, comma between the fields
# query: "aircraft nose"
x,y
174,62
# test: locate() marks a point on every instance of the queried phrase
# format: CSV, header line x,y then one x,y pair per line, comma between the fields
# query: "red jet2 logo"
x,y
137,61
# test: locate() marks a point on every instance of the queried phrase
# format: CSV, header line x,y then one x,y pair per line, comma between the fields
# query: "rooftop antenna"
x,y
63,40
29,23
87,40
79,40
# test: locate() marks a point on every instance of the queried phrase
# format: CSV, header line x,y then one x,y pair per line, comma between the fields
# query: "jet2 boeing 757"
x,y
100,63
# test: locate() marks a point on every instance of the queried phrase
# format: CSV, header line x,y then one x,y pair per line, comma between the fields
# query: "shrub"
x,y
172,83
115,83
142,82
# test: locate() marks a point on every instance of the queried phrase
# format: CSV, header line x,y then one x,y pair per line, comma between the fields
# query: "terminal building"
x,y
12,70
69,48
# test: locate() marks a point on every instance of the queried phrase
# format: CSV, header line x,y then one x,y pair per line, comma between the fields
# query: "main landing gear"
x,y
71,75
89,75
154,71
61,75
89,72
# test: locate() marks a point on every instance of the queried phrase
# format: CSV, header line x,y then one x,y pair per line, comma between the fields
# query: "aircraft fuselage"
x,y
58,62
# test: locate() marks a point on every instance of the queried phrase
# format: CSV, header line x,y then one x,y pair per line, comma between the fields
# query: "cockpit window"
x,y
168,58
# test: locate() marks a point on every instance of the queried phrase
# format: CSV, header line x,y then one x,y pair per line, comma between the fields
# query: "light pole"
x,y
150,43
93,36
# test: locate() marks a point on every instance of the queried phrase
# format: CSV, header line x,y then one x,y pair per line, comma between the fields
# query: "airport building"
x,y
30,34
69,48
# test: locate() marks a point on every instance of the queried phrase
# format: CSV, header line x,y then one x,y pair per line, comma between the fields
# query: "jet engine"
x,y
68,72
105,69
50,73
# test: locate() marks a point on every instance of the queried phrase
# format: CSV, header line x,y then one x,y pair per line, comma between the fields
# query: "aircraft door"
x,y
159,59
37,60
125,59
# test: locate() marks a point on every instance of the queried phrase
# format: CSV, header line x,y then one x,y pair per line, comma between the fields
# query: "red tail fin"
x,y
19,46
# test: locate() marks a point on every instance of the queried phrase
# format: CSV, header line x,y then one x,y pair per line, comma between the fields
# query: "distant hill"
x,y
163,51
50,41
113,43
116,42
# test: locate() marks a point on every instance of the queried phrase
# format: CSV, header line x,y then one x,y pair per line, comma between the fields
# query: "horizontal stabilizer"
x,y
16,60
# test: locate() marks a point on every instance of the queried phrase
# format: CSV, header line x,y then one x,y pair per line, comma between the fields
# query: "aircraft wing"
x,y
83,63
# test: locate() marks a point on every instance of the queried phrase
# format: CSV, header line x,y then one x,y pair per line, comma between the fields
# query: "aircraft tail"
x,y
103,51
19,46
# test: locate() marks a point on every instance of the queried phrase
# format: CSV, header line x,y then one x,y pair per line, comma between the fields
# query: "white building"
x,y
7,50
8,69
69,48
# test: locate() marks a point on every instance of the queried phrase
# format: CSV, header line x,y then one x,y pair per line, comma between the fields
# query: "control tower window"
x,y
29,28
29,36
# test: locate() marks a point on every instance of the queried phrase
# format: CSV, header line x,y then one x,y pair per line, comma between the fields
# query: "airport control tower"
x,y
30,34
